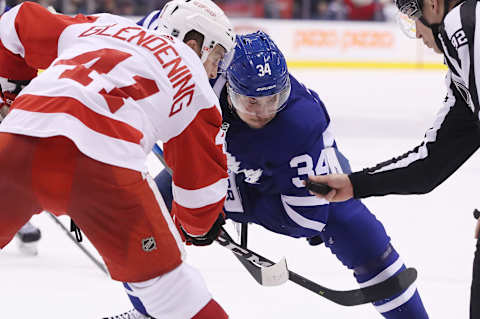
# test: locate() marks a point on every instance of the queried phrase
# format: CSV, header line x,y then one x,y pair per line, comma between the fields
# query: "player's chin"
x,y
258,124
437,50
434,47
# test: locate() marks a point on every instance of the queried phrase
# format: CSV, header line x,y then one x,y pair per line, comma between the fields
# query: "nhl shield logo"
x,y
149,244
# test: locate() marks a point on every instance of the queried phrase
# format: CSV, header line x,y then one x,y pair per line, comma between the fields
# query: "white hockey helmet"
x,y
178,17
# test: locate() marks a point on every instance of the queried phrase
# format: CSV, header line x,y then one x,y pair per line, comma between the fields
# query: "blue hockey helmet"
x,y
258,79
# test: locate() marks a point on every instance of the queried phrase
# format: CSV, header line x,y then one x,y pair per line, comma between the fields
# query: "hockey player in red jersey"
x,y
84,127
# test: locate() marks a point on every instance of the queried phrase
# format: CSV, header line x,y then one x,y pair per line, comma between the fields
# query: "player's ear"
x,y
434,5
194,45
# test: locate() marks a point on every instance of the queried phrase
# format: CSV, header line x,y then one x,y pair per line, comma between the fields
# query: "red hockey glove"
x,y
209,237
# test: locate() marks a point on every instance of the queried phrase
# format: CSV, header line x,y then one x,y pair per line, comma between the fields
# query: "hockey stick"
x,y
244,235
392,286
266,272
83,249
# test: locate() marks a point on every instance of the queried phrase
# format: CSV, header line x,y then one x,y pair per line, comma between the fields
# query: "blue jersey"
x,y
268,165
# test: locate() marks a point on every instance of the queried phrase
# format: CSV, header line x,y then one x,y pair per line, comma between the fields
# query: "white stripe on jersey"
x,y
384,275
328,136
166,215
299,219
458,29
200,197
304,200
47,125
452,25
397,302
10,40
178,294
430,135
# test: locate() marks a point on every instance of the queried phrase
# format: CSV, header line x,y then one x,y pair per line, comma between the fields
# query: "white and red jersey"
x,y
115,89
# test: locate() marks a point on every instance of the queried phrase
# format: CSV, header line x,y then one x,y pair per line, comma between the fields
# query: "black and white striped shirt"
x,y
455,134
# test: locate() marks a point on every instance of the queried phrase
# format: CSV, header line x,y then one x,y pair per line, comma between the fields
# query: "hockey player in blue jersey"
x,y
278,134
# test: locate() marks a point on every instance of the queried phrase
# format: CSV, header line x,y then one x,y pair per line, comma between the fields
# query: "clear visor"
x,y
407,25
407,15
260,105
225,62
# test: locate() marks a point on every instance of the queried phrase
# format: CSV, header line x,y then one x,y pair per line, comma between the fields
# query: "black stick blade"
x,y
380,291
319,188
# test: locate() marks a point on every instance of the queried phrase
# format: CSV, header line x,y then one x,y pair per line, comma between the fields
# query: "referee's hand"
x,y
342,188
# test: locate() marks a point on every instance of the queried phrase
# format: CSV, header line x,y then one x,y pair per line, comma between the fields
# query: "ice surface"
x,y
376,114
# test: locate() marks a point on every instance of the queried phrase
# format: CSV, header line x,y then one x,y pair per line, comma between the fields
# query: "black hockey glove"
x,y
315,240
209,237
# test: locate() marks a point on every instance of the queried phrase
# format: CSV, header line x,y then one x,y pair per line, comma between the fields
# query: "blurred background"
x,y
339,34
359,10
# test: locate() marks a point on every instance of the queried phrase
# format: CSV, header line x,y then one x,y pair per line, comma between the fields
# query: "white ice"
x,y
377,115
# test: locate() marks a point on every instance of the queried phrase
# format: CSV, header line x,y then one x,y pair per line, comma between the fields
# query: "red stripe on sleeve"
x,y
39,30
96,122
193,156
197,162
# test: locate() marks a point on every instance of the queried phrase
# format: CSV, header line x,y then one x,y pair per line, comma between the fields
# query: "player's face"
x,y
432,13
256,111
425,33
213,60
